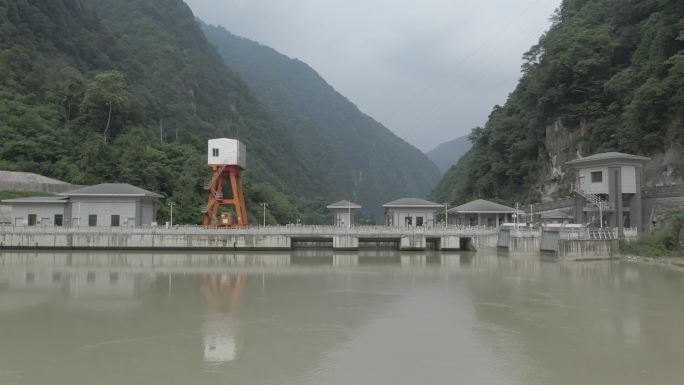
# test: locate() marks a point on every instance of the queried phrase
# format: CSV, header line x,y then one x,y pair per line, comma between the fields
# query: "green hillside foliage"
x,y
358,158
665,242
86,87
614,68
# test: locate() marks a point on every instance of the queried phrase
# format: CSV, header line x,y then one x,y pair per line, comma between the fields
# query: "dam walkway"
x,y
253,238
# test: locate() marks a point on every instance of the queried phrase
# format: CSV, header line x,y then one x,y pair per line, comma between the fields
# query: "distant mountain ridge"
x,y
448,153
358,158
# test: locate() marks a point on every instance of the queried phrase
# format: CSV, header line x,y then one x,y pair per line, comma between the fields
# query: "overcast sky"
x,y
429,70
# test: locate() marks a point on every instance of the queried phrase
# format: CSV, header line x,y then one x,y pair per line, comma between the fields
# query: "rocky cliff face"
x,y
663,167
563,144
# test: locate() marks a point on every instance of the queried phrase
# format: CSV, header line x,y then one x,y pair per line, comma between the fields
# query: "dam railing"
x,y
291,230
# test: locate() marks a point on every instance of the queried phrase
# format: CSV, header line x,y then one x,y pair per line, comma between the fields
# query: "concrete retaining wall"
x,y
450,242
36,238
412,242
485,241
587,249
524,244
144,241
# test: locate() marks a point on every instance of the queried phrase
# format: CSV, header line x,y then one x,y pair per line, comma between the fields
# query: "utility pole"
x,y
265,205
517,213
349,214
446,214
531,214
171,204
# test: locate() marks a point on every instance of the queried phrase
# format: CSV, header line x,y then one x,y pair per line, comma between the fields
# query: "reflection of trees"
x,y
221,293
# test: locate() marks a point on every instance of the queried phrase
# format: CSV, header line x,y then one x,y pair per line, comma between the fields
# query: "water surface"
x,y
345,318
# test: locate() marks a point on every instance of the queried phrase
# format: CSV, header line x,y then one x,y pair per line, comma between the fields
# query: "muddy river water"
x,y
349,318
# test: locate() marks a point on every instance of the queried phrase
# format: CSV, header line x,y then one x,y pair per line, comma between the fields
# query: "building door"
x,y
32,219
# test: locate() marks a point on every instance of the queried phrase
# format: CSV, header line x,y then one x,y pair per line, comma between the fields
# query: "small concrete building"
x,y
556,216
481,212
608,189
39,211
102,205
411,212
343,213
5,215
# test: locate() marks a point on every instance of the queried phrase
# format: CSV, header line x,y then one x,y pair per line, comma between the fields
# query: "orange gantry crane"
x,y
227,158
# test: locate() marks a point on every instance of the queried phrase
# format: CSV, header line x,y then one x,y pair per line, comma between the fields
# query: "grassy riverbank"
x,y
664,242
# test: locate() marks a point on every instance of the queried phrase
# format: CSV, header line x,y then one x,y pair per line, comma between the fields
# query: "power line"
x,y
465,87
445,75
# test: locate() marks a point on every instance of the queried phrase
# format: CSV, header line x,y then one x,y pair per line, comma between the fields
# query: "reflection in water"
x,y
381,318
223,302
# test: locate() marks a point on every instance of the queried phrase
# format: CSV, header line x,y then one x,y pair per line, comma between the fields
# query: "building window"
x,y
59,220
214,152
596,176
419,221
115,221
408,221
32,219
92,220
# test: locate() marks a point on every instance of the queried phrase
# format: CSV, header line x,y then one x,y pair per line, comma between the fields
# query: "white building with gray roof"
x,y
344,213
411,212
481,212
102,205
608,190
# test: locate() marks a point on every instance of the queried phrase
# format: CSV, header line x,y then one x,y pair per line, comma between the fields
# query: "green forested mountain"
x,y
358,158
87,87
448,153
607,76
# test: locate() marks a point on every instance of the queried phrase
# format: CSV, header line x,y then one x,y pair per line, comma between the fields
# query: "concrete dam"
x,y
251,239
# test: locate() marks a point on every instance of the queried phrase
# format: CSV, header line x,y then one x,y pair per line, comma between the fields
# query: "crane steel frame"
x,y
223,175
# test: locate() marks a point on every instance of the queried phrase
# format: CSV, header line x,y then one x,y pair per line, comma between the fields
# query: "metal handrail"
x,y
257,230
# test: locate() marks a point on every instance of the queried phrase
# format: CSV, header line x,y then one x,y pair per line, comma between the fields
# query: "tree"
x,y
106,94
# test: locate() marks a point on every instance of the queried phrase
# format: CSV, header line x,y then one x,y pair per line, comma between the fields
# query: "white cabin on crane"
x,y
224,151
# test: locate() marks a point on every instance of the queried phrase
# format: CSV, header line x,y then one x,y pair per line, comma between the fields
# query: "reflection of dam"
x,y
299,260
186,314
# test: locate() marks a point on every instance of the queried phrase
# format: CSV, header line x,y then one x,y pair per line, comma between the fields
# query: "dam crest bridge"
x,y
288,237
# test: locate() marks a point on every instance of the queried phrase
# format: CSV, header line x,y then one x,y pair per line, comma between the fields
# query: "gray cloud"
x,y
429,70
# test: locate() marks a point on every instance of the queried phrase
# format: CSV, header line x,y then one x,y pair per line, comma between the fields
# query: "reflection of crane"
x,y
220,293
223,294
